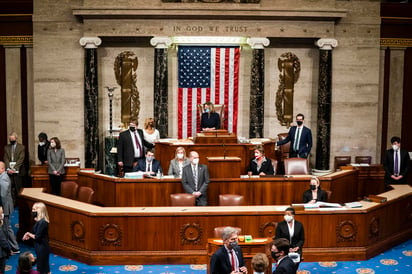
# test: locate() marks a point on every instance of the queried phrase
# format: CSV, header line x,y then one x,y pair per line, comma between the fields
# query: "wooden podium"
x,y
218,136
224,167
259,245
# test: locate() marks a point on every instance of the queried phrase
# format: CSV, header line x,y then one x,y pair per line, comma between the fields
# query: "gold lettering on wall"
x,y
199,29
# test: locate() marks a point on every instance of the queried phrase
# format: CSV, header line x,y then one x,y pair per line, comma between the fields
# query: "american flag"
x,y
207,74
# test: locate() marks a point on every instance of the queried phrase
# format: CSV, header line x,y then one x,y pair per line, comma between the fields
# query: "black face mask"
x,y
132,129
275,255
299,123
12,142
312,187
34,214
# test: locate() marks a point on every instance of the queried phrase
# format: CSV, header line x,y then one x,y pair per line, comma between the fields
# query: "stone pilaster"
x,y
91,96
160,110
324,103
257,83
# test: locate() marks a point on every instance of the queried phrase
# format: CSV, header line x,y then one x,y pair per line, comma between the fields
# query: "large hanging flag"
x,y
207,74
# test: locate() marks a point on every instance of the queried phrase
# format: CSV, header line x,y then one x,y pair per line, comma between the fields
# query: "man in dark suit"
x,y
14,160
284,264
149,165
396,163
282,231
300,138
195,179
229,258
131,146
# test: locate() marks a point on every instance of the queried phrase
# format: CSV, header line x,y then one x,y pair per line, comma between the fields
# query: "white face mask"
x,y
42,143
180,156
288,218
395,147
195,161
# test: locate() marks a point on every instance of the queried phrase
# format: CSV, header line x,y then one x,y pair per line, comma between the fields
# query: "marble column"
x,y
160,98
91,96
324,103
257,83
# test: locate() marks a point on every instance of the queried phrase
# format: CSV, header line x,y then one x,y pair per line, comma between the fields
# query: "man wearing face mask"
x,y
396,164
195,179
14,160
291,230
229,258
279,251
131,146
8,208
149,165
300,138
42,148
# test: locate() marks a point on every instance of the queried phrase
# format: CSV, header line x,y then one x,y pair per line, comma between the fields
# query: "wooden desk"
x,y
216,137
165,151
258,245
179,235
224,167
40,176
114,191
371,179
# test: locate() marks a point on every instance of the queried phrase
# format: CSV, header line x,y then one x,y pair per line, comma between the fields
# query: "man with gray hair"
x,y
229,258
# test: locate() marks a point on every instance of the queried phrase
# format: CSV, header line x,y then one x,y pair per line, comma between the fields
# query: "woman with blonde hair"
x,y
150,133
314,194
40,237
259,263
176,165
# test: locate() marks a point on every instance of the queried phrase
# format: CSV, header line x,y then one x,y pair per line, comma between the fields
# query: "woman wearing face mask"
x,y
314,194
210,118
40,236
291,230
176,165
260,165
150,133
56,158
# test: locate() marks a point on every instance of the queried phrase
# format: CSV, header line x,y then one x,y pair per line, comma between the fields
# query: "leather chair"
x,y
231,200
296,166
69,189
219,108
182,199
217,231
342,161
85,194
284,149
363,159
328,194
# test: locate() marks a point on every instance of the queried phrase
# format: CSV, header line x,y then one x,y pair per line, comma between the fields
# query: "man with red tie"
x,y
396,163
131,147
229,258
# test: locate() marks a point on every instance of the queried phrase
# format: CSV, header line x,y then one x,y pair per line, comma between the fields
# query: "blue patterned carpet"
x,y
395,260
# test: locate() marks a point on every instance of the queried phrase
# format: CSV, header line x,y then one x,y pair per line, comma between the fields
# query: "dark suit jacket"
x,y
141,165
266,167
305,144
220,264
202,182
322,196
209,121
389,165
125,149
285,266
18,158
282,231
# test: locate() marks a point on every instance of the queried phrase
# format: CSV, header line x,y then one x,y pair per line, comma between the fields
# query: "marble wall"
x,y
58,61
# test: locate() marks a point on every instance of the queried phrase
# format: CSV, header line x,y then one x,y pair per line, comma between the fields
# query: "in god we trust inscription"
x,y
213,1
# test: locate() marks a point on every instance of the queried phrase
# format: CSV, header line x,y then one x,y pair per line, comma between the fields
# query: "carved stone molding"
x,y
268,230
110,234
258,42
346,231
161,42
90,42
78,231
191,234
326,43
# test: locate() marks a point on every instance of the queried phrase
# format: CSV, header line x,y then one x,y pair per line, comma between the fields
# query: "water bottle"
x,y
158,174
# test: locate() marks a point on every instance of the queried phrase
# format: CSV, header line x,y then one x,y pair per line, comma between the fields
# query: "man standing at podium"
x,y
229,258
300,138
195,179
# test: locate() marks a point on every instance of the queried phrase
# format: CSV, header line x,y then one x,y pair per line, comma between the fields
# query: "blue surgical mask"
x,y
207,110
